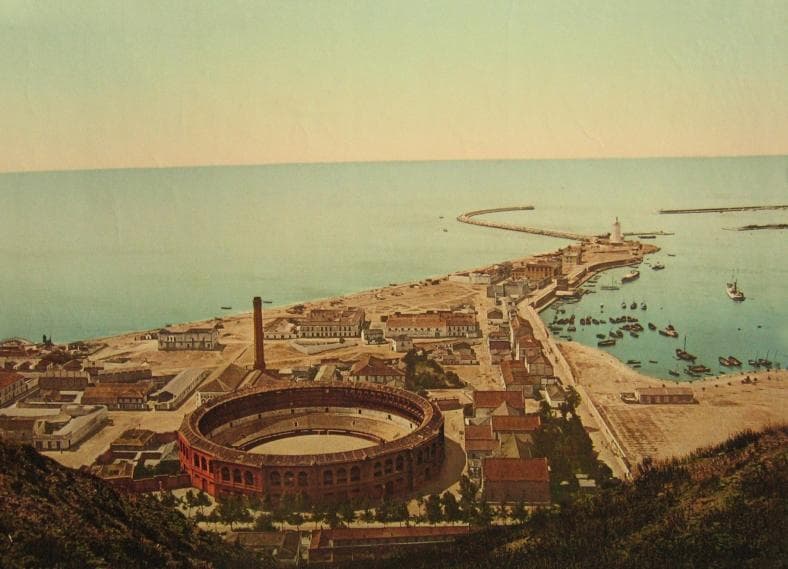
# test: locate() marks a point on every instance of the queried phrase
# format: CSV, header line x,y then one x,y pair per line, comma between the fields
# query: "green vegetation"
x,y
569,450
721,507
56,518
422,373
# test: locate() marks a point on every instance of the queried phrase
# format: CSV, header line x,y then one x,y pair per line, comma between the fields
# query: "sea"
x,y
86,254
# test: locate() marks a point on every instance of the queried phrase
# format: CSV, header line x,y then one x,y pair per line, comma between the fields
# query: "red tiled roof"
x,y
370,365
9,378
492,399
478,432
481,445
515,424
516,469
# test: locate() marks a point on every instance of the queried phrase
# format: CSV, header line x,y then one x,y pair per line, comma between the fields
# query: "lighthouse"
x,y
615,236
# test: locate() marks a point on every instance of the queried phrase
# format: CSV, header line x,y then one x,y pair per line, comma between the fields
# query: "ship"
x,y
633,306
630,276
608,342
733,292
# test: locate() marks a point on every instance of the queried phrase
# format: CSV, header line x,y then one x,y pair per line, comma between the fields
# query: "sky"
x,y
156,83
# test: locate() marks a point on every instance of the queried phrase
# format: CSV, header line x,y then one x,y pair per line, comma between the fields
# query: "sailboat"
x,y
734,293
684,354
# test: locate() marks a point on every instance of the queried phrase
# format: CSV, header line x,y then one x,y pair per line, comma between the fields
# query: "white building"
x,y
189,338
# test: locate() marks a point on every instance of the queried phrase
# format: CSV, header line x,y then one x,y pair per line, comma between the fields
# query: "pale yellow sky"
x,y
95,84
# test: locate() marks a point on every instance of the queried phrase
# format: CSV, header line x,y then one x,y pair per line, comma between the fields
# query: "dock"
x,y
723,209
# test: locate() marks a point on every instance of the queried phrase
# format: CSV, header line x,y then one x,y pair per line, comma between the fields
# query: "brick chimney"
x,y
259,355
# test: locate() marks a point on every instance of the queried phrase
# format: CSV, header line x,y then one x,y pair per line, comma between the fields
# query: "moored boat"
x,y
652,326
657,266
633,306
604,343
734,362
685,355
630,276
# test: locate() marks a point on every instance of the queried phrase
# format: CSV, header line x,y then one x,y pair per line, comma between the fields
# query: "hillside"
x,y
54,517
723,506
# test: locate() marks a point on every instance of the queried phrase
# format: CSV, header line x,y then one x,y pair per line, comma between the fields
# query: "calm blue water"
x,y
94,253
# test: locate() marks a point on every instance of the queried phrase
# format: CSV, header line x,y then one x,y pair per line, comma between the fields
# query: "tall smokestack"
x,y
259,356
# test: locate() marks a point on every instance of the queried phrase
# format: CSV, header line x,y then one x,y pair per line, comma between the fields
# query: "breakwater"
x,y
723,209
469,216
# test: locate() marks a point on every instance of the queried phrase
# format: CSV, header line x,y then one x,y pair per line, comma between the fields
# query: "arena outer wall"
x,y
388,469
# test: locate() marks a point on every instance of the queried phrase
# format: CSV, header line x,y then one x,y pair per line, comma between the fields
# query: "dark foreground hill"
x,y
55,517
720,507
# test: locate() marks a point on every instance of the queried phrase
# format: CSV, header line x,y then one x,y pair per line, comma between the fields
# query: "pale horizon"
x,y
89,87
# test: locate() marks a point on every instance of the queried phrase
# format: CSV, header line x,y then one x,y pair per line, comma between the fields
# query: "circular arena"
x,y
330,442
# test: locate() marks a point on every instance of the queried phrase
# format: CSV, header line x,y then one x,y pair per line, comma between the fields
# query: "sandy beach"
x,y
725,405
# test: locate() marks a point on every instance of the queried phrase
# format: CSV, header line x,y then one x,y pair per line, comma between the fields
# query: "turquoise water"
x,y
94,253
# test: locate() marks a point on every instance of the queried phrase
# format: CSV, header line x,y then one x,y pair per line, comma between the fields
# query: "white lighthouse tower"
x,y
615,236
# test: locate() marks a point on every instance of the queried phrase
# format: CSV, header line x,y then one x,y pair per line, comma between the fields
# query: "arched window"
x,y
341,476
378,470
289,479
237,476
355,474
275,478
248,478
203,463
303,479
328,478
400,464
226,474
196,461
389,466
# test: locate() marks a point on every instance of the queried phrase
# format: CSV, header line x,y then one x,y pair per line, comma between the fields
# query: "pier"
x,y
722,209
468,218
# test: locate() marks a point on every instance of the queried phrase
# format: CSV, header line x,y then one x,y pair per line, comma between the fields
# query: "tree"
x,y
168,499
232,510
451,508
318,513
191,501
295,519
332,515
573,399
434,509
264,522
347,512
202,501
468,491
483,516
367,516
520,512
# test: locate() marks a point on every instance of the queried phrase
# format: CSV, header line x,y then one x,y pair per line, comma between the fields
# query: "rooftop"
x,y
492,399
515,424
516,470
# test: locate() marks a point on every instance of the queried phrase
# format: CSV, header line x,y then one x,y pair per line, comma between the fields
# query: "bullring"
x,y
404,431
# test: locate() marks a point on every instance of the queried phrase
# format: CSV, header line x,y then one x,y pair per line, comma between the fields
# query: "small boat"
x,y
733,292
653,362
685,355
671,255
604,343
445,230
657,266
634,334
725,361
674,373
623,305
571,329
652,326
631,362
226,307
619,334
630,276
734,362
633,306
698,369
643,306
764,362
612,334
600,336
268,301
669,331
609,287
